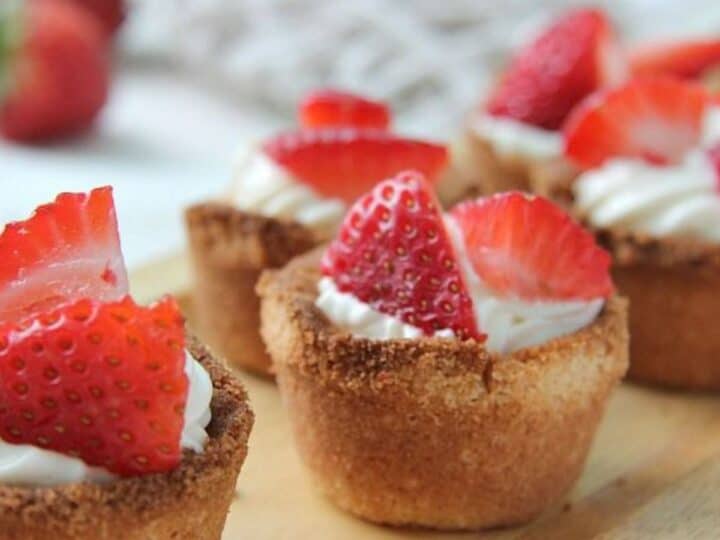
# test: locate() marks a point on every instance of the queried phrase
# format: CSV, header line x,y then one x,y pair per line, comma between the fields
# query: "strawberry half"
x,y
393,252
325,108
654,119
526,247
572,58
684,59
102,382
68,249
347,162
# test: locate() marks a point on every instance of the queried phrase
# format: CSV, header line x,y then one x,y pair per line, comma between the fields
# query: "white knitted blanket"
x,y
429,57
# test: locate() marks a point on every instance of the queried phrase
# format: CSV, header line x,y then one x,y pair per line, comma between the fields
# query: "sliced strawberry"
x,y
575,56
347,162
393,252
103,382
655,119
68,249
325,108
526,247
685,59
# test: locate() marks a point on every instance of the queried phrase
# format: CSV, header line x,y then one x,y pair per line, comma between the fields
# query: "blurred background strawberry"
x,y
110,13
55,70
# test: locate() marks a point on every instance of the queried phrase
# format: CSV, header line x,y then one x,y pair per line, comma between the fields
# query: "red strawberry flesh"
x,y
110,13
572,58
654,119
394,253
528,248
68,249
324,108
344,163
104,382
685,59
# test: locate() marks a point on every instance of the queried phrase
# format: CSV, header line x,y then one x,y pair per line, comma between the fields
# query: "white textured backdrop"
x,y
196,77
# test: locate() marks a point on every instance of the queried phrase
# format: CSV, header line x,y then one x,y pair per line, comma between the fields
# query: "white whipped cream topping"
x,y
510,324
27,465
348,311
265,188
665,201
509,137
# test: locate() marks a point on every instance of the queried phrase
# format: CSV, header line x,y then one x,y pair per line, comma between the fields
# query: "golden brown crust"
x,y
672,286
191,502
435,432
477,169
630,249
229,249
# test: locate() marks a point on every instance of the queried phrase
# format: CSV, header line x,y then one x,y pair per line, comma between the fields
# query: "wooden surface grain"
x,y
653,473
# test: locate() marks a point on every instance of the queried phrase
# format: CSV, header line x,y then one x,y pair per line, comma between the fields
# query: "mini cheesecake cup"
x,y
433,432
190,502
229,249
673,287
477,169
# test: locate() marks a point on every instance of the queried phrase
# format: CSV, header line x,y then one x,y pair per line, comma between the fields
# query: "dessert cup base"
x,y
229,249
434,432
671,285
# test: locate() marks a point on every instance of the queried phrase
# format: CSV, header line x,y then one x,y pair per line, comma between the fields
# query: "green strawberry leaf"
x,y
11,38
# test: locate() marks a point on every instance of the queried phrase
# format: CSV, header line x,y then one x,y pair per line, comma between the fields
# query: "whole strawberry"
x,y
54,76
110,13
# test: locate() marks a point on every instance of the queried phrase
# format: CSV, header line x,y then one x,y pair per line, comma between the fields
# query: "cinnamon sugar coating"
x,y
190,502
437,432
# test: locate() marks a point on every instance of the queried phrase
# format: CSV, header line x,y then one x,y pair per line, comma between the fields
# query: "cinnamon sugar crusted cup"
x,y
437,432
478,169
672,285
229,249
190,502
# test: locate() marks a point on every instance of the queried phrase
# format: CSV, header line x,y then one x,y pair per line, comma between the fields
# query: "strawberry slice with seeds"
x,y
394,253
101,381
684,59
654,119
68,249
324,108
526,247
346,162
572,58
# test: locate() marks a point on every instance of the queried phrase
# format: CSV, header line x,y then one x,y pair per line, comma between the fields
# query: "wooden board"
x,y
654,470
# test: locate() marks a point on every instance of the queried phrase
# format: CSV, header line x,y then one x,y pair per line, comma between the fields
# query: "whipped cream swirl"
x,y
265,188
27,465
680,200
509,137
510,323
348,311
